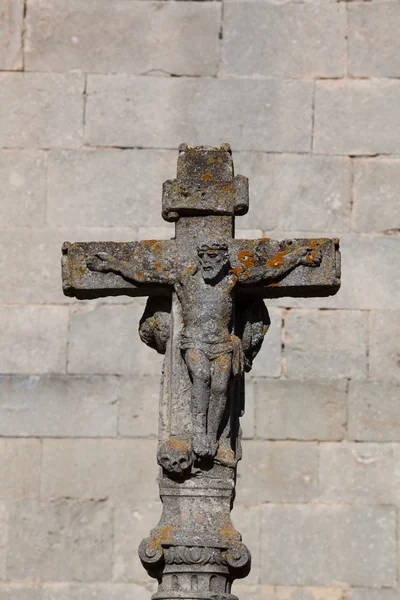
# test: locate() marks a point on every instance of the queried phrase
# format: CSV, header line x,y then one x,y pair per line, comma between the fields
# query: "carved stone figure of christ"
x,y
211,351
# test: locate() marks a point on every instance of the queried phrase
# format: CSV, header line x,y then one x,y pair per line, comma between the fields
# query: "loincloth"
x,y
215,350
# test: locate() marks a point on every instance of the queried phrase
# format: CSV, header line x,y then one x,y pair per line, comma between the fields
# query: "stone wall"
x,y
96,95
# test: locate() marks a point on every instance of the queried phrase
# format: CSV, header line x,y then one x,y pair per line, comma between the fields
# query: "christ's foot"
x,y
204,446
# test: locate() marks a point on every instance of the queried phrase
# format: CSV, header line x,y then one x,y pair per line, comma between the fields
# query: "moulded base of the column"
x,y
192,596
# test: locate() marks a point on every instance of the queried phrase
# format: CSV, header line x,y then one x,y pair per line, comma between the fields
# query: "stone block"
x,y
376,184
284,41
136,37
43,110
18,591
322,545
107,187
278,472
33,339
384,353
23,190
30,262
361,254
300,410
364,594
268,361
96,469
11,22
247,520
359,473
325,344
3,541
59,406
96,591
267,592
139,406
19,469
374,411
374,46
124,111
357,117
60,541
295,192
133,522
105,339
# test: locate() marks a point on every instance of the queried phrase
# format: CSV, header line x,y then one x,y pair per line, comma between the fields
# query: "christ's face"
x,y
212,261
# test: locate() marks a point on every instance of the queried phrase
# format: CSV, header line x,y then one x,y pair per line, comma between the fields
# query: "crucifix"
x,y
205,313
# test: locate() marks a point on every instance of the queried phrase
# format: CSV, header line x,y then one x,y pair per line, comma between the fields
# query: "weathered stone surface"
x,y
107,188
119,469
248,521
138,411
59,406
363,594
23,190
359,473
384,354
302,410
42,110
133,522
376,205
34,339
60,541
19,591
104,339
267,592
296,192
278,472
320,545
11,20
121,112
374,411
284,41
95,591
376,253
357,117
309,346
268,363
137,37
19,469
3,540
373,42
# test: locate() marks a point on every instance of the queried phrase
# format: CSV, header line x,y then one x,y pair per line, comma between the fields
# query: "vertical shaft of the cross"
x,y
195,552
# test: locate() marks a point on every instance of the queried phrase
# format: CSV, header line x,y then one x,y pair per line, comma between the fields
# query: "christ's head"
x,y
213,258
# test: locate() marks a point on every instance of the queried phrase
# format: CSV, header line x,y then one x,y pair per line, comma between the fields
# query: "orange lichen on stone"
x,y
206,175
227,188
165,536
157,246
264,239
277,260
275,284
157,265
190,268
246,258
140,275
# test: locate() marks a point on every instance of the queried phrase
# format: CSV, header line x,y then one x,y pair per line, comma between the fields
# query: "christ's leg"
x,y
221,369
200,373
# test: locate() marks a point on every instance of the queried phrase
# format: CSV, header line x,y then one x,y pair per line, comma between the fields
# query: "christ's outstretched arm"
x,y
281,264
106,263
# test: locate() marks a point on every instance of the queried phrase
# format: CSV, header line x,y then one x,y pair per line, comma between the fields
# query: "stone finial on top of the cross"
x,y
205,184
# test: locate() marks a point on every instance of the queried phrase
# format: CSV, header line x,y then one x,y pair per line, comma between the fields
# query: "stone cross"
x,y
205,313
